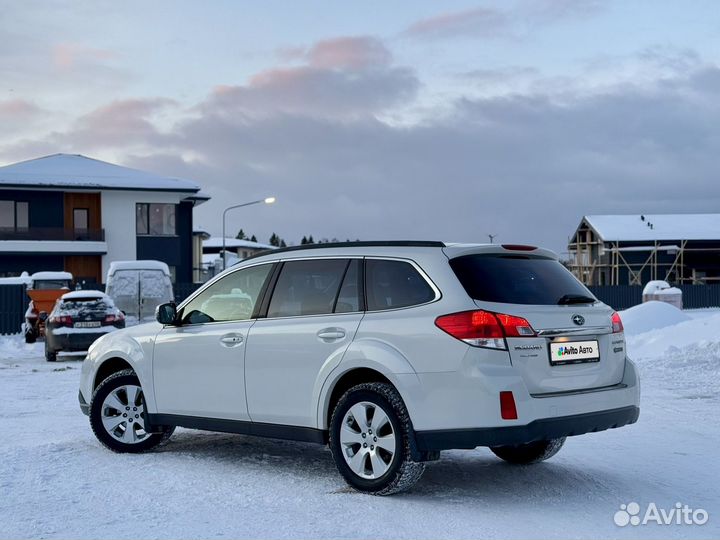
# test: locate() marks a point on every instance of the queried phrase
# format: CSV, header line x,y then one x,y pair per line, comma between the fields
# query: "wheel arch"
x,y
342,380
108,367
345,382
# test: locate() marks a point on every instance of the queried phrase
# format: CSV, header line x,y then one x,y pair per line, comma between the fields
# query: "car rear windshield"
x,y
85,303
518,279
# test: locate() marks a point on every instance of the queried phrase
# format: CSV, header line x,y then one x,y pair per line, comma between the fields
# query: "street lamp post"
x,y
266,200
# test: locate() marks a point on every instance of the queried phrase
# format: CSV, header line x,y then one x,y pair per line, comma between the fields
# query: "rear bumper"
x,y
537,430
77,341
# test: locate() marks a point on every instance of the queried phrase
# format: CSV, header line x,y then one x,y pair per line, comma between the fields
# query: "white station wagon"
x,y
389,352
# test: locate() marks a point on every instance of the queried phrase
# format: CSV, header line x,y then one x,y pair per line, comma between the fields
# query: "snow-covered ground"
x,y
57,481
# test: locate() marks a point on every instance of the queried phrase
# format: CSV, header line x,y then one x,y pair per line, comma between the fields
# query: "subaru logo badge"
x,y
578,319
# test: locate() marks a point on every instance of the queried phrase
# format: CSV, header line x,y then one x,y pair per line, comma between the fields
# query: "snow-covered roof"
x,y
234,243
22,279
619,228
75,295
81,172
138,265
52,276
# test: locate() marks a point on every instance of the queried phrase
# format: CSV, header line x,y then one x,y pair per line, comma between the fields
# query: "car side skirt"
x,y
258,429
537,430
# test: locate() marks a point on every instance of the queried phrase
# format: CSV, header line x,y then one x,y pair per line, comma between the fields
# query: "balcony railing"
x,y
53,233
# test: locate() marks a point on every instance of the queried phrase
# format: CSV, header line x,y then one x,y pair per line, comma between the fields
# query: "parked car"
x,y
43,289
138,287
78,319
390,352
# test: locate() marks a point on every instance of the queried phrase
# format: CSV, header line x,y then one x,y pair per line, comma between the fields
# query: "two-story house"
x,y
78,214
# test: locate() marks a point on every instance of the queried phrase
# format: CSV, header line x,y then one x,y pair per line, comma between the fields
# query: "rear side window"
x,y
514,279
394,284
307,287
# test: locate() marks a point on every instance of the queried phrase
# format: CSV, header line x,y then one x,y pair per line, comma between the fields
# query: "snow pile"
x,y
654,286
650,316
662,291
682,357
700,331
15,348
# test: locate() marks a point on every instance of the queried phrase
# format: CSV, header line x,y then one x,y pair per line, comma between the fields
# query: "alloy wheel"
x,y
367,440
123,414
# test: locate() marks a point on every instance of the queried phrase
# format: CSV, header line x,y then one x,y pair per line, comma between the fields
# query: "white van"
x,y
138,287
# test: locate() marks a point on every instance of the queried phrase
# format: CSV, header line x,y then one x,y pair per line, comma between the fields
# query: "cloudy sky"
x,y
372,120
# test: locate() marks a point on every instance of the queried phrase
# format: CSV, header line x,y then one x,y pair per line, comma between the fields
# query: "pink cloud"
x,y
354,53
479,21
120,123
17,109
341,77
66,56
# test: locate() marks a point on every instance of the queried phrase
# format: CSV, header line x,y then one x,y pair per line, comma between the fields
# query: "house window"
x,y
14,215
155,219
80,219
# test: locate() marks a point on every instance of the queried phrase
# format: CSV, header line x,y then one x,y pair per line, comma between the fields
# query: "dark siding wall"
x,y
14,265
174,250
13,303
46,207
185,228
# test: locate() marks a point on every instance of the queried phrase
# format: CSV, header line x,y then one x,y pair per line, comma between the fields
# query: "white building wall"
x,y
118,220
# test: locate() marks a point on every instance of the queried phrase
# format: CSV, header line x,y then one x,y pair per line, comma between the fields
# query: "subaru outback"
x,y
388,352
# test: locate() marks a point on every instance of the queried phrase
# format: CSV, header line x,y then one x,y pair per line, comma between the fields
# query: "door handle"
x,y
331,334
231,340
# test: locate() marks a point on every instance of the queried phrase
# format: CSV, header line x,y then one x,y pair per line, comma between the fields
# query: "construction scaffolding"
x,y
598,262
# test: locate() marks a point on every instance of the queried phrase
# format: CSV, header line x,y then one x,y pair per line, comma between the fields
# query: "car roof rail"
x,y
361,243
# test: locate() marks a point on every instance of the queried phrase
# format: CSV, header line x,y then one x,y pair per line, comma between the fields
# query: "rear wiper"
x,y
567,299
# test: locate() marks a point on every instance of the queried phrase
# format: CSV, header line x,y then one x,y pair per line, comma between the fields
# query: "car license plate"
x,y
88,324
574,352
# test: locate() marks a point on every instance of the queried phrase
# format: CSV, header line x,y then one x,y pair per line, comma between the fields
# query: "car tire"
x,y
526,454
118,414
376,462
50,356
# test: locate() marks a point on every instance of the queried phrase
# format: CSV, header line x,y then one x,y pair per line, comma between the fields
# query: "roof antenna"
x,y
491,236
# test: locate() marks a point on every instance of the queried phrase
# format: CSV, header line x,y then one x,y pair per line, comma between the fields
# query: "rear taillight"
x,y
481,328
61,320
617,325
515,326
110,319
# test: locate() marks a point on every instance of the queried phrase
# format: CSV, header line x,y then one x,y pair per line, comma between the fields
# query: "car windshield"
x,y
519,279
49,284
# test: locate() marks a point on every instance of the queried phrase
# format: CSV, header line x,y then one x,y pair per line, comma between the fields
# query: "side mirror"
x,y
43,316
166,313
